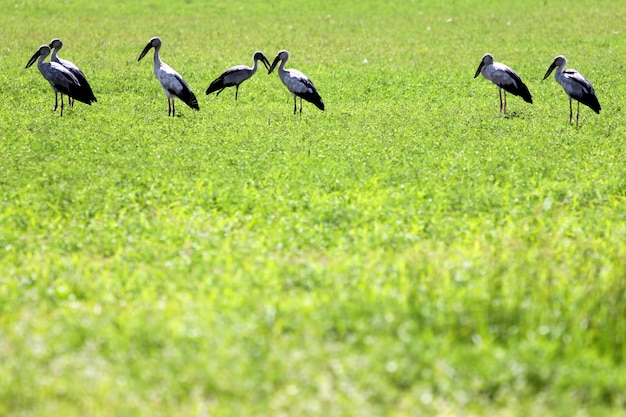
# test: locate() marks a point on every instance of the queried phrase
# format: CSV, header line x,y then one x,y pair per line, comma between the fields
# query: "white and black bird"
x,y
299,84
236,75
56,46
505,78
575,85
60,78
173,84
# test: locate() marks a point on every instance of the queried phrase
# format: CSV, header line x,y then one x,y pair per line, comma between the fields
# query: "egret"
x,y
56,46
60,78
171,81
505,78
299,84
575,85
236,75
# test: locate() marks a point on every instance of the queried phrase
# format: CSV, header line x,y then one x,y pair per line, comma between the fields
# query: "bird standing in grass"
x,y
172,83
60,78
299,84
236,75
56,46
505,78
575,85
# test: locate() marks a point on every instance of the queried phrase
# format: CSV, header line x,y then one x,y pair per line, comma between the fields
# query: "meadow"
x,y
409,251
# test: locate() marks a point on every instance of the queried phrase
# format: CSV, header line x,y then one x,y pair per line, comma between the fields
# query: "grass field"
x,y
409,251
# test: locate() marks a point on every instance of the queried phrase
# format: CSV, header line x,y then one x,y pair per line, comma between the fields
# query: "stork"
x,y
60,78
56,46
505,78
171,81
236,75
299,84
575,85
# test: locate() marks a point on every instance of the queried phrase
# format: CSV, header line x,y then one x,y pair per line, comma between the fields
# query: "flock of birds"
x,y
575,85
67,79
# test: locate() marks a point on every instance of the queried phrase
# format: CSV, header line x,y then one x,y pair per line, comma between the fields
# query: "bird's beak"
x,y
482,64
32,59
273,64
145,51
266,62
552,67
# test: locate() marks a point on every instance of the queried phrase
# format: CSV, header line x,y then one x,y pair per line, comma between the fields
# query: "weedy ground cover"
x,y
409,251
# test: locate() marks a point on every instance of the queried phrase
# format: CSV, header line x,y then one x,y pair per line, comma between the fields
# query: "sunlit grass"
x,y
408,251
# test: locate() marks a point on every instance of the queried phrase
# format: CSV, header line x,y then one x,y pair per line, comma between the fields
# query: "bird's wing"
x,y
297,82
577,82
59,75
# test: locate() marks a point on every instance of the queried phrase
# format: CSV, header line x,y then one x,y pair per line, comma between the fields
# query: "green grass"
x,y
409,251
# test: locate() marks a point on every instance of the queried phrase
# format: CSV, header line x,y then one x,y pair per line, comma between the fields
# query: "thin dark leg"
x,y
61,104
169,108
70,101
570,110
173,108
236,91
500,94
56,101
300,105
294,104
504,102
577,113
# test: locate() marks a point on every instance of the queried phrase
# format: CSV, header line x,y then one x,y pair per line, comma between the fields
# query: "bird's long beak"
x,y
273,64
266,62
145,51
482,64
32,59
552,67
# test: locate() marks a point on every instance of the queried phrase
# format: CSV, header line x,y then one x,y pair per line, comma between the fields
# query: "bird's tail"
x,y
88,92
313,97
189,98
593,103
216,85
525,94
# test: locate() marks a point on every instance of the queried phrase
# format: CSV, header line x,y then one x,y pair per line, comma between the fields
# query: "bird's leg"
x,y
577,113
300,105
61,104
56,101
294,104
236,91
570,110
173,108
169,107
70,100
504,102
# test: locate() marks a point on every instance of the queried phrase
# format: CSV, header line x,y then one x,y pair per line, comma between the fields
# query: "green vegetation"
x,y
407,252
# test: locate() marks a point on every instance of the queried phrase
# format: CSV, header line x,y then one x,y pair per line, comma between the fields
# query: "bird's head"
x,y
260,56
559,62
154,42
486,60
56,44
281,56
44,51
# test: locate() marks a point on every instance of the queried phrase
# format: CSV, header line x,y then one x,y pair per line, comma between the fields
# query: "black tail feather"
x,y
217,84
592,102
314,98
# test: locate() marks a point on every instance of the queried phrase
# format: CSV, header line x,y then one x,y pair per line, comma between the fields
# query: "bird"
x,y
299,84
236,75
60,78
505,78
172,83
575,85
56,46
